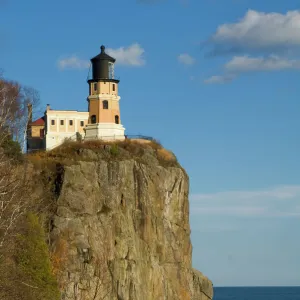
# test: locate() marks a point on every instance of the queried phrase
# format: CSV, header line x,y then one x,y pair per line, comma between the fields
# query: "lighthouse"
x,y
104,120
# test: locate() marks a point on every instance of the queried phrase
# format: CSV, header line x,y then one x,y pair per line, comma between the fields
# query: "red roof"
x,y
38,122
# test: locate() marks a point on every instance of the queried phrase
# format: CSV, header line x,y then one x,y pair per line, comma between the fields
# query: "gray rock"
x,y
126,225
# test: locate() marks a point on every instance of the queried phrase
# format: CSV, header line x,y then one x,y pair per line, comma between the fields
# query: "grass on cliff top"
x,y
144,151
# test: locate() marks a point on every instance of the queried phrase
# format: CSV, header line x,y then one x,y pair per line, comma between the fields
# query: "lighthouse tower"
x,y
103,101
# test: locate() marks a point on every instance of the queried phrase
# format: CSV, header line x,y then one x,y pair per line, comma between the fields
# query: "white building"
x,y
63,124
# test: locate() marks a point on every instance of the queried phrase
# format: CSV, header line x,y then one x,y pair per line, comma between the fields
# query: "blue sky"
x,y
216,81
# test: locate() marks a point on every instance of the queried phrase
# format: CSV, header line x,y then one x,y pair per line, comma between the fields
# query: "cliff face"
x,y
121,231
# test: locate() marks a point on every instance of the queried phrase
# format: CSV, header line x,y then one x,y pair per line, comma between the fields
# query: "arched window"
x,y
117,119
105,104
93,119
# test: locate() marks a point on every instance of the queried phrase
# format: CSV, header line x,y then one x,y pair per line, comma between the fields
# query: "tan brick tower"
x,y
103,101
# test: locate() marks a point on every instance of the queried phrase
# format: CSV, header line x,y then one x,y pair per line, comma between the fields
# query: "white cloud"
x,y
130,56
271,63
219,79
186,59
73,62
281,201
274,37
258,31
242,64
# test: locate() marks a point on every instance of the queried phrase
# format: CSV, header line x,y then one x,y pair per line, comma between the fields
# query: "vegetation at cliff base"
x,y
25,268
33,262
26,271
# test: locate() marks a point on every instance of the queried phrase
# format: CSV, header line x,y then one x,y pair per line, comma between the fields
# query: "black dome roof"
x,y
103,56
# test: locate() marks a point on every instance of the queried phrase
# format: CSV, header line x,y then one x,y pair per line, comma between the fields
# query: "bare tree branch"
x,y
14,198
14,115
34,287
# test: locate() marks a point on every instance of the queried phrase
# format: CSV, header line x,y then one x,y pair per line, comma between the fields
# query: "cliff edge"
x,y
121,229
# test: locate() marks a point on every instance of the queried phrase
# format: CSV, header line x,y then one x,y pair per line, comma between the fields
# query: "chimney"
x,y
48,107
29,110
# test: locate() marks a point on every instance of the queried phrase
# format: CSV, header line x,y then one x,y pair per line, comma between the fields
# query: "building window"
x,y
41,133
93,119
95,87
52,122
71,122
105,104
62,122
114,87
117,119
81,123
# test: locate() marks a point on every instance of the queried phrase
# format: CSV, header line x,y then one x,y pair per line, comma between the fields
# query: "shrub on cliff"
x,y
33,262
11,149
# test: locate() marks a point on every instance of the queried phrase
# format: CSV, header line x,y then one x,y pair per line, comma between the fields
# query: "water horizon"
x,y
256,286
257,293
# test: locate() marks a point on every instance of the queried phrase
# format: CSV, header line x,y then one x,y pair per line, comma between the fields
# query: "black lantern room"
x,y
103,67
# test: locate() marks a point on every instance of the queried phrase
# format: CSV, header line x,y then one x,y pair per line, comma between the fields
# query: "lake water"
x,y
256,293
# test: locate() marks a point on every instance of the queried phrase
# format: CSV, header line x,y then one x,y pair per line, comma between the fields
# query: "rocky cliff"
x,y
121,229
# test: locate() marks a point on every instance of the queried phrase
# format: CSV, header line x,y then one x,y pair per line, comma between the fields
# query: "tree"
x,y
13,194
29,277
18,104
9,108
14,198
